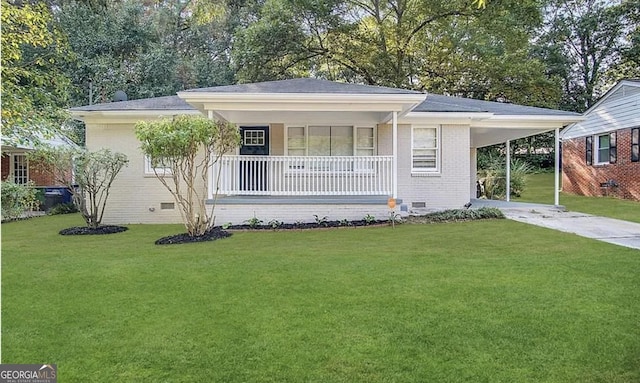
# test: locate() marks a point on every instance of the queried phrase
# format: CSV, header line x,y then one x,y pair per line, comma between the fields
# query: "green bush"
x,y
63,208
494,177
17,198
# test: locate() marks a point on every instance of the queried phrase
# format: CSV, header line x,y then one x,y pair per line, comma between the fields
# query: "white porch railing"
x,y
303,175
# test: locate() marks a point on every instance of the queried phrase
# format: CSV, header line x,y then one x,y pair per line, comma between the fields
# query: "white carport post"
x,y
556,191
508,172
394,179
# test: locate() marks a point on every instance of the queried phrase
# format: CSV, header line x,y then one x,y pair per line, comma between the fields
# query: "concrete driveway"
x,y
610,230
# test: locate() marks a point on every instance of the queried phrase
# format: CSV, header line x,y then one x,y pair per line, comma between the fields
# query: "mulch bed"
x,y
309,225
84,230
211,235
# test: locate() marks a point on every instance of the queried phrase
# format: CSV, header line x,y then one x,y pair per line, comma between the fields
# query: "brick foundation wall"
x,y
582,179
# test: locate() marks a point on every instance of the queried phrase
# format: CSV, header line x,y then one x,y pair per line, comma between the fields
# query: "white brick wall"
x,y
136,197
450,187
133,195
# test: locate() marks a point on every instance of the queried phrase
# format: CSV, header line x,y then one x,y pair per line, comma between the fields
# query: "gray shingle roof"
x,y
439,103
433,103
156,103
304,85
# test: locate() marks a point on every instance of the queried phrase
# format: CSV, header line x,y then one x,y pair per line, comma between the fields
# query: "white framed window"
x,y
334,140
19,169
365,141
605,149
425,149
153,168
602,149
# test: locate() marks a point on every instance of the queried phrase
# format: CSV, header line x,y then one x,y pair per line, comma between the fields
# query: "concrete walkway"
x,y
610,230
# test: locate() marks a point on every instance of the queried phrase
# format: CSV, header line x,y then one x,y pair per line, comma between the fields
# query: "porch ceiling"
x,y
481,137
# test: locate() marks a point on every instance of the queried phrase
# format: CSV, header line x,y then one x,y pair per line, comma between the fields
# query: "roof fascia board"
x,y
125,116
302,97
527,121
445,117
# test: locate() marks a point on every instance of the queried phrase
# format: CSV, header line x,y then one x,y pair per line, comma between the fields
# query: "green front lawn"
x,y
485,301
539,189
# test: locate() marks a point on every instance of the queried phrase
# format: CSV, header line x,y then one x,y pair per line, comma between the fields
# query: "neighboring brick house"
x,y
600,156
16,167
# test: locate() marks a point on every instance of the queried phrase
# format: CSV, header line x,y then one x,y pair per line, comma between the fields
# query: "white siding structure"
x,y
618,109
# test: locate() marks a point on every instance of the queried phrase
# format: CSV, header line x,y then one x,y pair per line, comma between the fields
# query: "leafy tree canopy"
x,y
33,86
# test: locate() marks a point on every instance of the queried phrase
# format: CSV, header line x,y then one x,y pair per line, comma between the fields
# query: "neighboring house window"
x,y
606,148
152,168
330,141
425,148
20,169
635,144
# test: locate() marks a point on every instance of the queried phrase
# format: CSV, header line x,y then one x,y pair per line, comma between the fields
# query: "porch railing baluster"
x,y
304,175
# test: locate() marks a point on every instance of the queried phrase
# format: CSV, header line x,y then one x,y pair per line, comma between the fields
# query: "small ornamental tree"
x,y
91,179
182,151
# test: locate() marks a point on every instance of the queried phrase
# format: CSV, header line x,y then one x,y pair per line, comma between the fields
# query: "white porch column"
x,y
394,187
556,191
210,175
508,180
473,171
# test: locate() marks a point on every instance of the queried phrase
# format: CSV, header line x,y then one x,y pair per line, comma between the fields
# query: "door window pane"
x,y
254,138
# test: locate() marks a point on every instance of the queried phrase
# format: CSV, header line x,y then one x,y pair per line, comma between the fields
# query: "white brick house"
x,y
314,147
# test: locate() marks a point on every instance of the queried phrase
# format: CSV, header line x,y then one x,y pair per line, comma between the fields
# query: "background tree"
x,y
188,146
91,180
439,46
34,88
581,41
146,49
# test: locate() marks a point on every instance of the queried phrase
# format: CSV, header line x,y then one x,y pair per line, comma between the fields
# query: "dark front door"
x,y
253,172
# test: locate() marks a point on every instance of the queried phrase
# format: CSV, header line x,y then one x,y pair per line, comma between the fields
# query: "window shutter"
x,y
635,144
613,150
589,150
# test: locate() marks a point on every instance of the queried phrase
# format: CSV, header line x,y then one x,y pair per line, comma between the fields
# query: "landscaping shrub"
x,y
17,198
455,215
63,208
494,177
